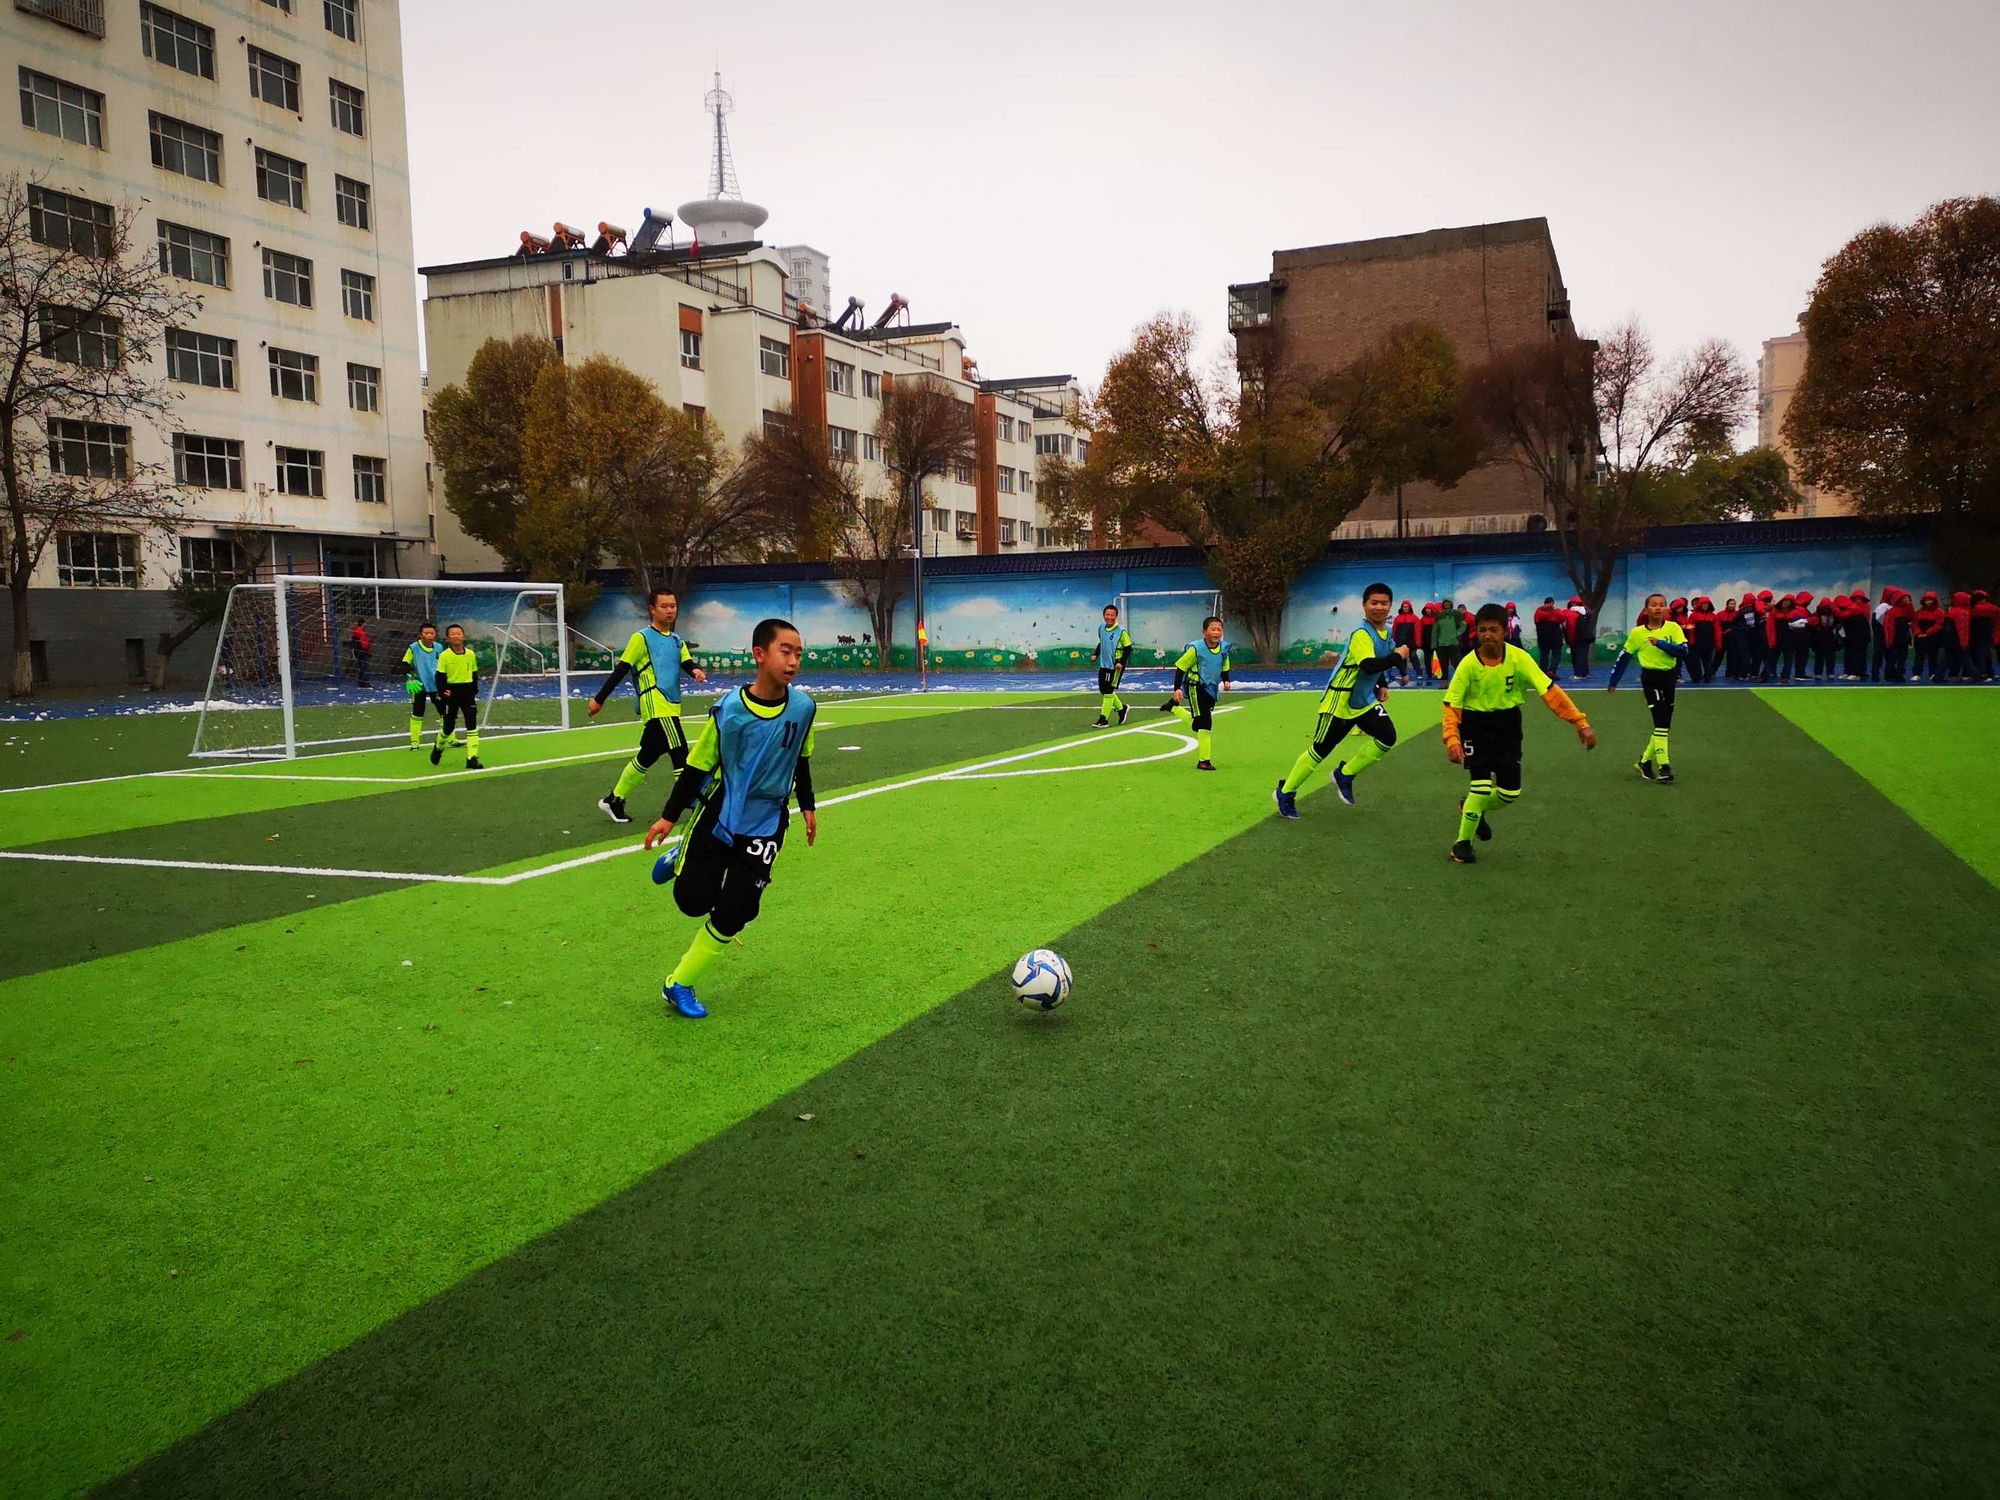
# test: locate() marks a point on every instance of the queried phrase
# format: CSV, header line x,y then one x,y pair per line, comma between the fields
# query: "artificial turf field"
x,y
1654,1154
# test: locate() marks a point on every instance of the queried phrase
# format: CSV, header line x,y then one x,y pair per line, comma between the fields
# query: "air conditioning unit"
x,y
965,533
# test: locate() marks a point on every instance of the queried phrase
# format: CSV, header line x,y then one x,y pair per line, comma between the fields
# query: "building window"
x,y
184,148
92,340
1006,426
839,378
774,358
1059,443
209,561
201,359
288,278
871,384
690,349
1006,481
193,254
364,387
177,41
294,376
961,471
57,108
350,107
371,480
840,442
63,221
207,463
776,423
89,450
341,19
274,79
97,560
350,202
871,447
699,413
280,179
1082,450
964,520
1027,483
1006,531
357,295
301,471
1024,430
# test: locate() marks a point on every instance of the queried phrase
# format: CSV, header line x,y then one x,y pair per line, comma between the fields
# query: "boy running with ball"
x,y
1355,698
1661,646
752,754
1482,723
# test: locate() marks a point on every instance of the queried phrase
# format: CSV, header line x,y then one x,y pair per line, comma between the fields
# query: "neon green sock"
x,y
1302,770
1185,714
1477,801
416,732
1201,741
472,745
703,951
1365,755
1656,747
1104,702
628,780
1117,704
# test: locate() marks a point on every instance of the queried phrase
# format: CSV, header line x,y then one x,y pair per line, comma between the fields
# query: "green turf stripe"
x,y
1929,750
1599,1168
397,1127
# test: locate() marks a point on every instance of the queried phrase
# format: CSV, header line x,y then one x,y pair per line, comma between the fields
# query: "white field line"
x,y
961,773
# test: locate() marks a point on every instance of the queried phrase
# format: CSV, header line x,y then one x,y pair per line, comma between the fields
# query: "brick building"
x,y
1490,287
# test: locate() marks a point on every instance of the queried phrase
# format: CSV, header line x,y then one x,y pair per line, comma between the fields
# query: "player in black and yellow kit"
x,y
656,657
458,682
1355,699
1201,675
1482,723
1114,651
1660,646
753,754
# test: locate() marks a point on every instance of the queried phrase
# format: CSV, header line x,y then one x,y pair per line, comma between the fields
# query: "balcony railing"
x,y
86,16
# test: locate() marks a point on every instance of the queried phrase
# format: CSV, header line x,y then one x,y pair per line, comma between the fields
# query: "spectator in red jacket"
x,y
1855,628
1513,623
1927,634
1958,638
1582,632
1403,632
1426,630
1704,641
1825,635
1549,635
1985,627
364,652
1896,625
1787,636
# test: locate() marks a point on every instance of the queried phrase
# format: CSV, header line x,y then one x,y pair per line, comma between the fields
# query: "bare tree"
x,y
81,307
1620,442
690,505
201,598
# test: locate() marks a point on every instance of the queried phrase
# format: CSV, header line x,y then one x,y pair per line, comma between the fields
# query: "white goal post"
x,y
311,662
1162,621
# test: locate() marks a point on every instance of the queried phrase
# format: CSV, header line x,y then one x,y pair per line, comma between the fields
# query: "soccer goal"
x,y
1162,621
309,663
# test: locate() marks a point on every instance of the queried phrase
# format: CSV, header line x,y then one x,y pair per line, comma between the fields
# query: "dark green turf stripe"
x,y
81,912
1625,1162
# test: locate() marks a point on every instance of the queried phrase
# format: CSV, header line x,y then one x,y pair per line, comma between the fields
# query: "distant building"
x,y
265,149
1778,373
1489,287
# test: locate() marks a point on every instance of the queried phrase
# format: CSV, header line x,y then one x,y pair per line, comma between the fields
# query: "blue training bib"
x,y
759,757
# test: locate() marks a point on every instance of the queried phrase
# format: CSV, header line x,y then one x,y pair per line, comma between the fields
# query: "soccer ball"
x,y
1041,980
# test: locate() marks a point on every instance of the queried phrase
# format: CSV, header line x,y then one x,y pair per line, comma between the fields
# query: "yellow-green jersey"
x,y
458,668
657,659
1350,691
1651,657
1482,688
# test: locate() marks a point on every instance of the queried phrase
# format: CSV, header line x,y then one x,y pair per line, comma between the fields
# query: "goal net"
x,y
307,664
1162,622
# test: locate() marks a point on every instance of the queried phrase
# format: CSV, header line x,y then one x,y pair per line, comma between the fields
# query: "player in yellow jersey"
x,y
657,657
1660,646
1482,723
1355,698
458,680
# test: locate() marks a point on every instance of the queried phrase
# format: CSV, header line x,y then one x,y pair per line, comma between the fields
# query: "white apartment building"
x,y
264,146
718,332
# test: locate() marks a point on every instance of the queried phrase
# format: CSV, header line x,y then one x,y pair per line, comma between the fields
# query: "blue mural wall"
x,y
1047,621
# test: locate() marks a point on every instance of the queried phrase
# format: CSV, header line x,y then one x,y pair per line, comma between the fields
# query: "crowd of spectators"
x,y
1762,637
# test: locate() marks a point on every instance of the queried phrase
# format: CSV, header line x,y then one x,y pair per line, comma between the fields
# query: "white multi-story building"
x,y
718,332
263,145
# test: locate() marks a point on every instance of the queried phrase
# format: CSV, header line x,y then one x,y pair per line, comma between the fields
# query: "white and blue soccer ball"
x,y
1041,979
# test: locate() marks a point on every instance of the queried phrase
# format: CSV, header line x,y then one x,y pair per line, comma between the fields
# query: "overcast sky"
x,y
1049,176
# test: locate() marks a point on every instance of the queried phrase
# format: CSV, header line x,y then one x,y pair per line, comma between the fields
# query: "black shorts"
x,y
1107,680
1201,704
460,699
1658,685
1492,743
419,696
725,882
660,737
1373,722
